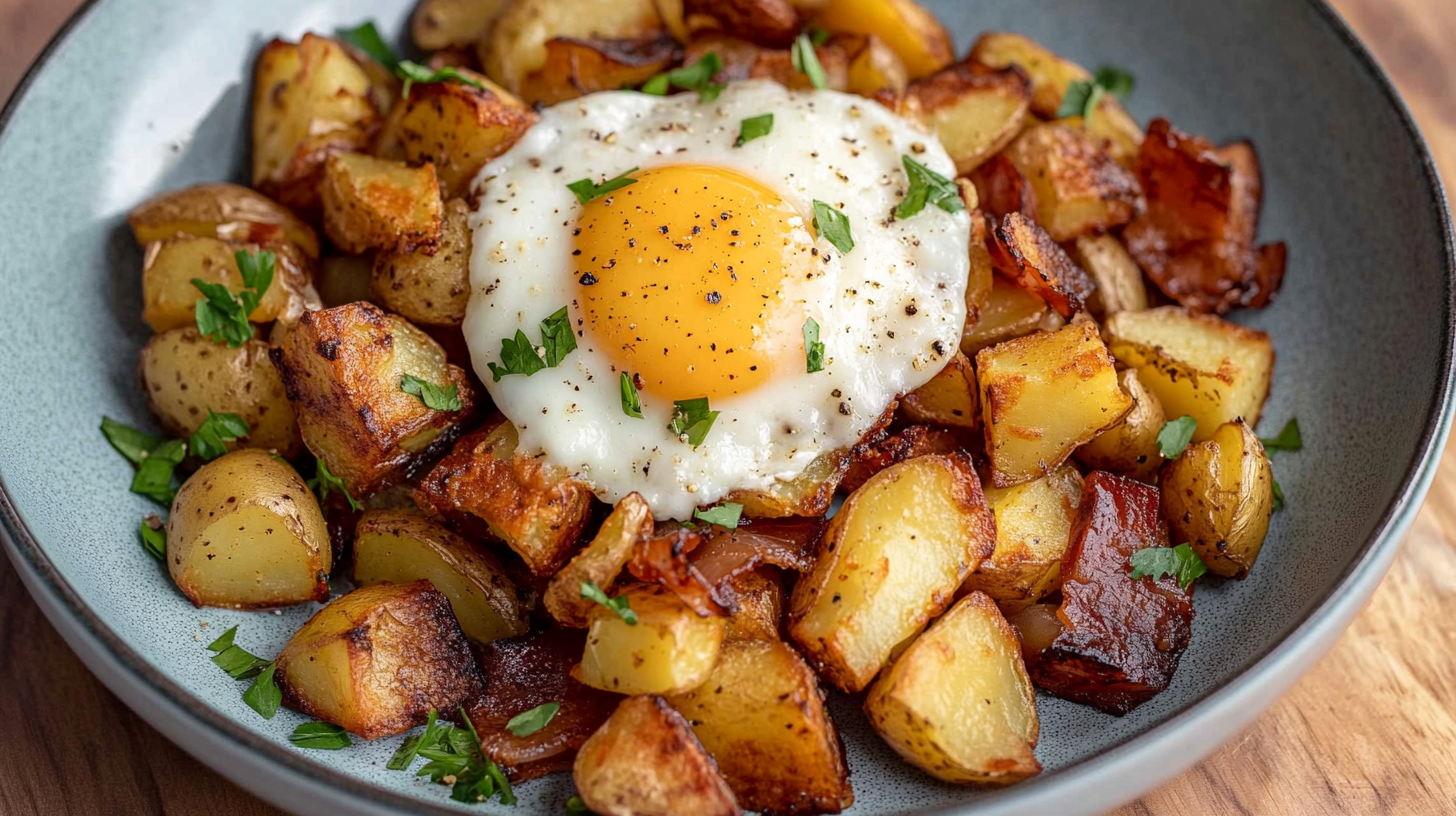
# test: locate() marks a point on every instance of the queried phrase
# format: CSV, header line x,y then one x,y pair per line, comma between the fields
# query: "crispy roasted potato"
x,y
871,457
1010,312
760,614
515,46
1119,281
1196,365
1196,239
1027,255
310,99
770,23
1079,189
185,375
874,68
808,494
669,650
889,562
974,113
228,212
344,370
1130,448
246,533
599,562
379,204
1033,528
981,279
949,399
485,488
1122,638
455,127
440,24
645,761
344,279
958,704
576,67
1050,74
429,290
761,715
913,33
376,661
1043,396
400,546
1218,496
169,300
526,672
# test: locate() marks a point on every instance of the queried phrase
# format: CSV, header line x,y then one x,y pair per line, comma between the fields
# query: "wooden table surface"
x,y
1371,730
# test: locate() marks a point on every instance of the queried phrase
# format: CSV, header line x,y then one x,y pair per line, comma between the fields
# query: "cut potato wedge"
x,y
874,68
599,562
1119,279
950,399
377,204
760,614
871,457
975,114
1027,256
1079,189
889,562
375,662
440,24
669,649
515,46
1130,448
400,546
1218,497
808,494
228,212
958,703
169,299
246,533
1010,312
1196,365
1033,529
429,290
913,33
579,66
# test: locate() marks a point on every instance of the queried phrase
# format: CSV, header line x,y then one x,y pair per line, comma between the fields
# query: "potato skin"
x,y
185,375
429,290
245,532
645,761
169,300
438,24
515,46
1119,279
1130,448
379,204
393,651
601,561
950,398
1218,496
579,66
228,212
873,456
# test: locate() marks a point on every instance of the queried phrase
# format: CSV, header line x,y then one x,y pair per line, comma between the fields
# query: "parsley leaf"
x,y
1115,81
818,36
587,192
455,756
1176,435
135,445
435,397
620,605
264,696
631,402
696,77
407,752
233,659
576,807
813,349
321,735
414,73
222,314
754,127
692,419
1156,562
557,337
324,481
833,225
1082,98
154,475
257,270
806,62
1289,438
366,38
529,722
208,441
518,356
726,514
1278,495
927,187
154,539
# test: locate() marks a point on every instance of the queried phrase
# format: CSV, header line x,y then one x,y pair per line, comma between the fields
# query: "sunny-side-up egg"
x,y
699,279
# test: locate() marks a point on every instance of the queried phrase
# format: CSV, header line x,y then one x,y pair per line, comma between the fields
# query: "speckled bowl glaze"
x,y
139,96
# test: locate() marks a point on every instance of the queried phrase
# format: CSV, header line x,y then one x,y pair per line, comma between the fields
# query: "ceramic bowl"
x,y
140,96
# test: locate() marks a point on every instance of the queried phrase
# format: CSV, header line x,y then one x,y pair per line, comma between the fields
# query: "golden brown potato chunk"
x,y
376,661
1010,312
958,703
1043,396
379,204
1196,365
1079,189
185,375
1130,448
873,456
228,212
440,24
645,761
974,113
760,614
761,715
770,23
1026,255
515,46
429,290
247,533
913,33
599,562
345,370
669,649
1001,189
981,279
874,68
455,127
1118,279
889,562
485,489
1196,240
1218,497
310,99
576,67
808,494
400,546
169,299
1122,638
950,399
1033,529
1050,74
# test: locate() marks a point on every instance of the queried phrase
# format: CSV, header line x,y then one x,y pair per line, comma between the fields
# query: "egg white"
x,y
891,311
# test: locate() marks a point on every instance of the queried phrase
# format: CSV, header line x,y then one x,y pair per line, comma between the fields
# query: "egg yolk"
x,y
681,280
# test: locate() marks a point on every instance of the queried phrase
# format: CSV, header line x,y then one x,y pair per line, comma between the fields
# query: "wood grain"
x,y
1370,732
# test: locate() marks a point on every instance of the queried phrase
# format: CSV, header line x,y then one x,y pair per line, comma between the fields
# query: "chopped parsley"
x,y
435,397
324,481
813,348
1156,562
1083,97
631,402
154,539
806,62
210,439
833,225
1289,439
518,356
366,38
927,187
692,419
320,735
620,604
696,77
455,757
1176,435
726,514
221,314
414,73
530,721
754,127
587,192
135,445
1278,495
155,474
263,695
557,338
818,36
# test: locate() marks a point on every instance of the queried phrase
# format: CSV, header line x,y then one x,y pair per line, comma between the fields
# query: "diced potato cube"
x,y
1033,529
515,45
429,290
169,299
440,24
975,114
1079,189
1119,279
379,204
1010,312
1027,255
874,68
760,615
228,212
951,398
808,494
576,67
1130,448
669,650
873,456
910,31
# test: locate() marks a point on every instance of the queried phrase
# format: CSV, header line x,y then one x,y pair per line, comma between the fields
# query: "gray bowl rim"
x,y
1336,609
